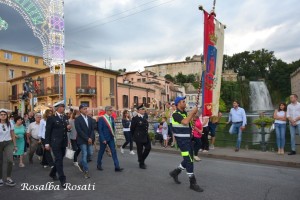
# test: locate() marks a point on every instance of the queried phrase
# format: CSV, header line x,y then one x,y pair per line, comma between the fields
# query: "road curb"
x,y
235,158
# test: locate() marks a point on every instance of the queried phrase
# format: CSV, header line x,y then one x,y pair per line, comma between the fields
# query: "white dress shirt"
x,y
85,119
238,115
293,111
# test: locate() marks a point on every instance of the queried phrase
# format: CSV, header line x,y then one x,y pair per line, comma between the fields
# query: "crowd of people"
x,y
54,131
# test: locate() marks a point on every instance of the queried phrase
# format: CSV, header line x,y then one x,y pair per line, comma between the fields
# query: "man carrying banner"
x,y
181,126
106,130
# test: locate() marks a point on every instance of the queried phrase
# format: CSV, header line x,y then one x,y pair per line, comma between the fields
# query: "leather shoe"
x,y
119,169
292,153
99,168
63,184
54,177
143,166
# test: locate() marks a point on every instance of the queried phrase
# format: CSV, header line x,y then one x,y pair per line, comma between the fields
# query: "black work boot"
x,y
174,174
193,184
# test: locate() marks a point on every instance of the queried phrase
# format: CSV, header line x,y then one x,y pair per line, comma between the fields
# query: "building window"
x,y
44,63
11,73
23,73
36,61
56,80
112,86
144,101
136,100
87,103
143,80
14,90
24,59
138,80
84,80
112,101
125,101
148,102
8,56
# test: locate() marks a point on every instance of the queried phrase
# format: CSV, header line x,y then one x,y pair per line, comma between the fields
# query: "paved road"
x,y
220,180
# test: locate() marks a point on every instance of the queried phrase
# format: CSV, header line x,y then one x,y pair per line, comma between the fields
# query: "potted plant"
x,y
152,137
263,121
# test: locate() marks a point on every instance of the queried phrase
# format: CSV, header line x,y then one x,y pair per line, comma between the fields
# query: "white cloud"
x,y
97,30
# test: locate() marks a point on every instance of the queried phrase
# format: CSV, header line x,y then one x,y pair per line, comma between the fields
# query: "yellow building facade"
x,y
84,84
12,65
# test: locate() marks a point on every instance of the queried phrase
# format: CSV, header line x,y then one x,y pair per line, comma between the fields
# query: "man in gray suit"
x,y
85,133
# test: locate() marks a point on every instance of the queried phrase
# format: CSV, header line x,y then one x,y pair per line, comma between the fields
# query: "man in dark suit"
x,y
56,138
139,129
106,130
85,134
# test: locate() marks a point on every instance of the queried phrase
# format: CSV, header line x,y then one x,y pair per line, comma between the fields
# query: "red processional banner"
x,y
209,56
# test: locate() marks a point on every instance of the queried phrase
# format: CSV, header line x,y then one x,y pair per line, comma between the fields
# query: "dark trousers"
x,y
75,148
59,153
47,157
204,138
128,138
197,145
112,146
143,150
186,147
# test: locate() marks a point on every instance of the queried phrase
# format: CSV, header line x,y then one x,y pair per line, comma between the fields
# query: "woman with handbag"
x,y
20,132
126,121
7,146
47,157
72,134
280,126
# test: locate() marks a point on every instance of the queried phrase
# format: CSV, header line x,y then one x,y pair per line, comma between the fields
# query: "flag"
x,y
219,32
213,57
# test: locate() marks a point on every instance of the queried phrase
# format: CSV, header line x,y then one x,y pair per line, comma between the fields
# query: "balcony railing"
x,y
53,91
15,97
41,92
86,90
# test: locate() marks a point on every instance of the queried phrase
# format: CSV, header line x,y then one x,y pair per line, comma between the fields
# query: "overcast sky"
x,y
135,33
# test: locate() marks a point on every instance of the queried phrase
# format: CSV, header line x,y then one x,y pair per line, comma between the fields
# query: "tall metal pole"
x,y
64,87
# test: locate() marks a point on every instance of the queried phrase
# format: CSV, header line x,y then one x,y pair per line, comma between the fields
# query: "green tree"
x,y
169,77
222,106
180,78
191,78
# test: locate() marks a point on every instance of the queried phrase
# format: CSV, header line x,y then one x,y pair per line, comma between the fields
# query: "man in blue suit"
x,y
106,129
85,133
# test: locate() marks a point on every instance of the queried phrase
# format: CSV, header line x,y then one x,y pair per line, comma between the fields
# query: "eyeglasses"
x,y
3,114
3,128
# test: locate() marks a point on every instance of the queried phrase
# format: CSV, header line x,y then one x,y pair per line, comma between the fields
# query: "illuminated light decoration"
x,y
3,24
46,19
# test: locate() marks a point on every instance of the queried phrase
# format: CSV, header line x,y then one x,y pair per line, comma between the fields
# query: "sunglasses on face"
x,y
3,128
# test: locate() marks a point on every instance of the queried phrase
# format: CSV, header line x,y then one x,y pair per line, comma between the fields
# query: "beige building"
x,y
190,66
229,75
12,65
295,82
145,87
85,83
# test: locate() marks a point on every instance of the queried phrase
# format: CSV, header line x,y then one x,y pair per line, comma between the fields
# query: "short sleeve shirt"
x,y
178,117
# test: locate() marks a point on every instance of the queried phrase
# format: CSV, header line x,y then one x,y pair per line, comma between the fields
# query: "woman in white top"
x,y
7,146
280,126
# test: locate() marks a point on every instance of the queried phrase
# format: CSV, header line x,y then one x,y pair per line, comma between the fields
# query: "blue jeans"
x,y
236,129
112,146
86,150
293,133
280,135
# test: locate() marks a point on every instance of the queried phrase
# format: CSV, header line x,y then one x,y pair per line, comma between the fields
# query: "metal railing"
x,y
229,140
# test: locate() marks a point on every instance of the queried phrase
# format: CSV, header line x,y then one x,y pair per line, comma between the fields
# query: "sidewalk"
x,y
250,156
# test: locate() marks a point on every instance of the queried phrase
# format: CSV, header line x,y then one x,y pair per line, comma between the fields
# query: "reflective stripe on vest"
x,y
180,130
